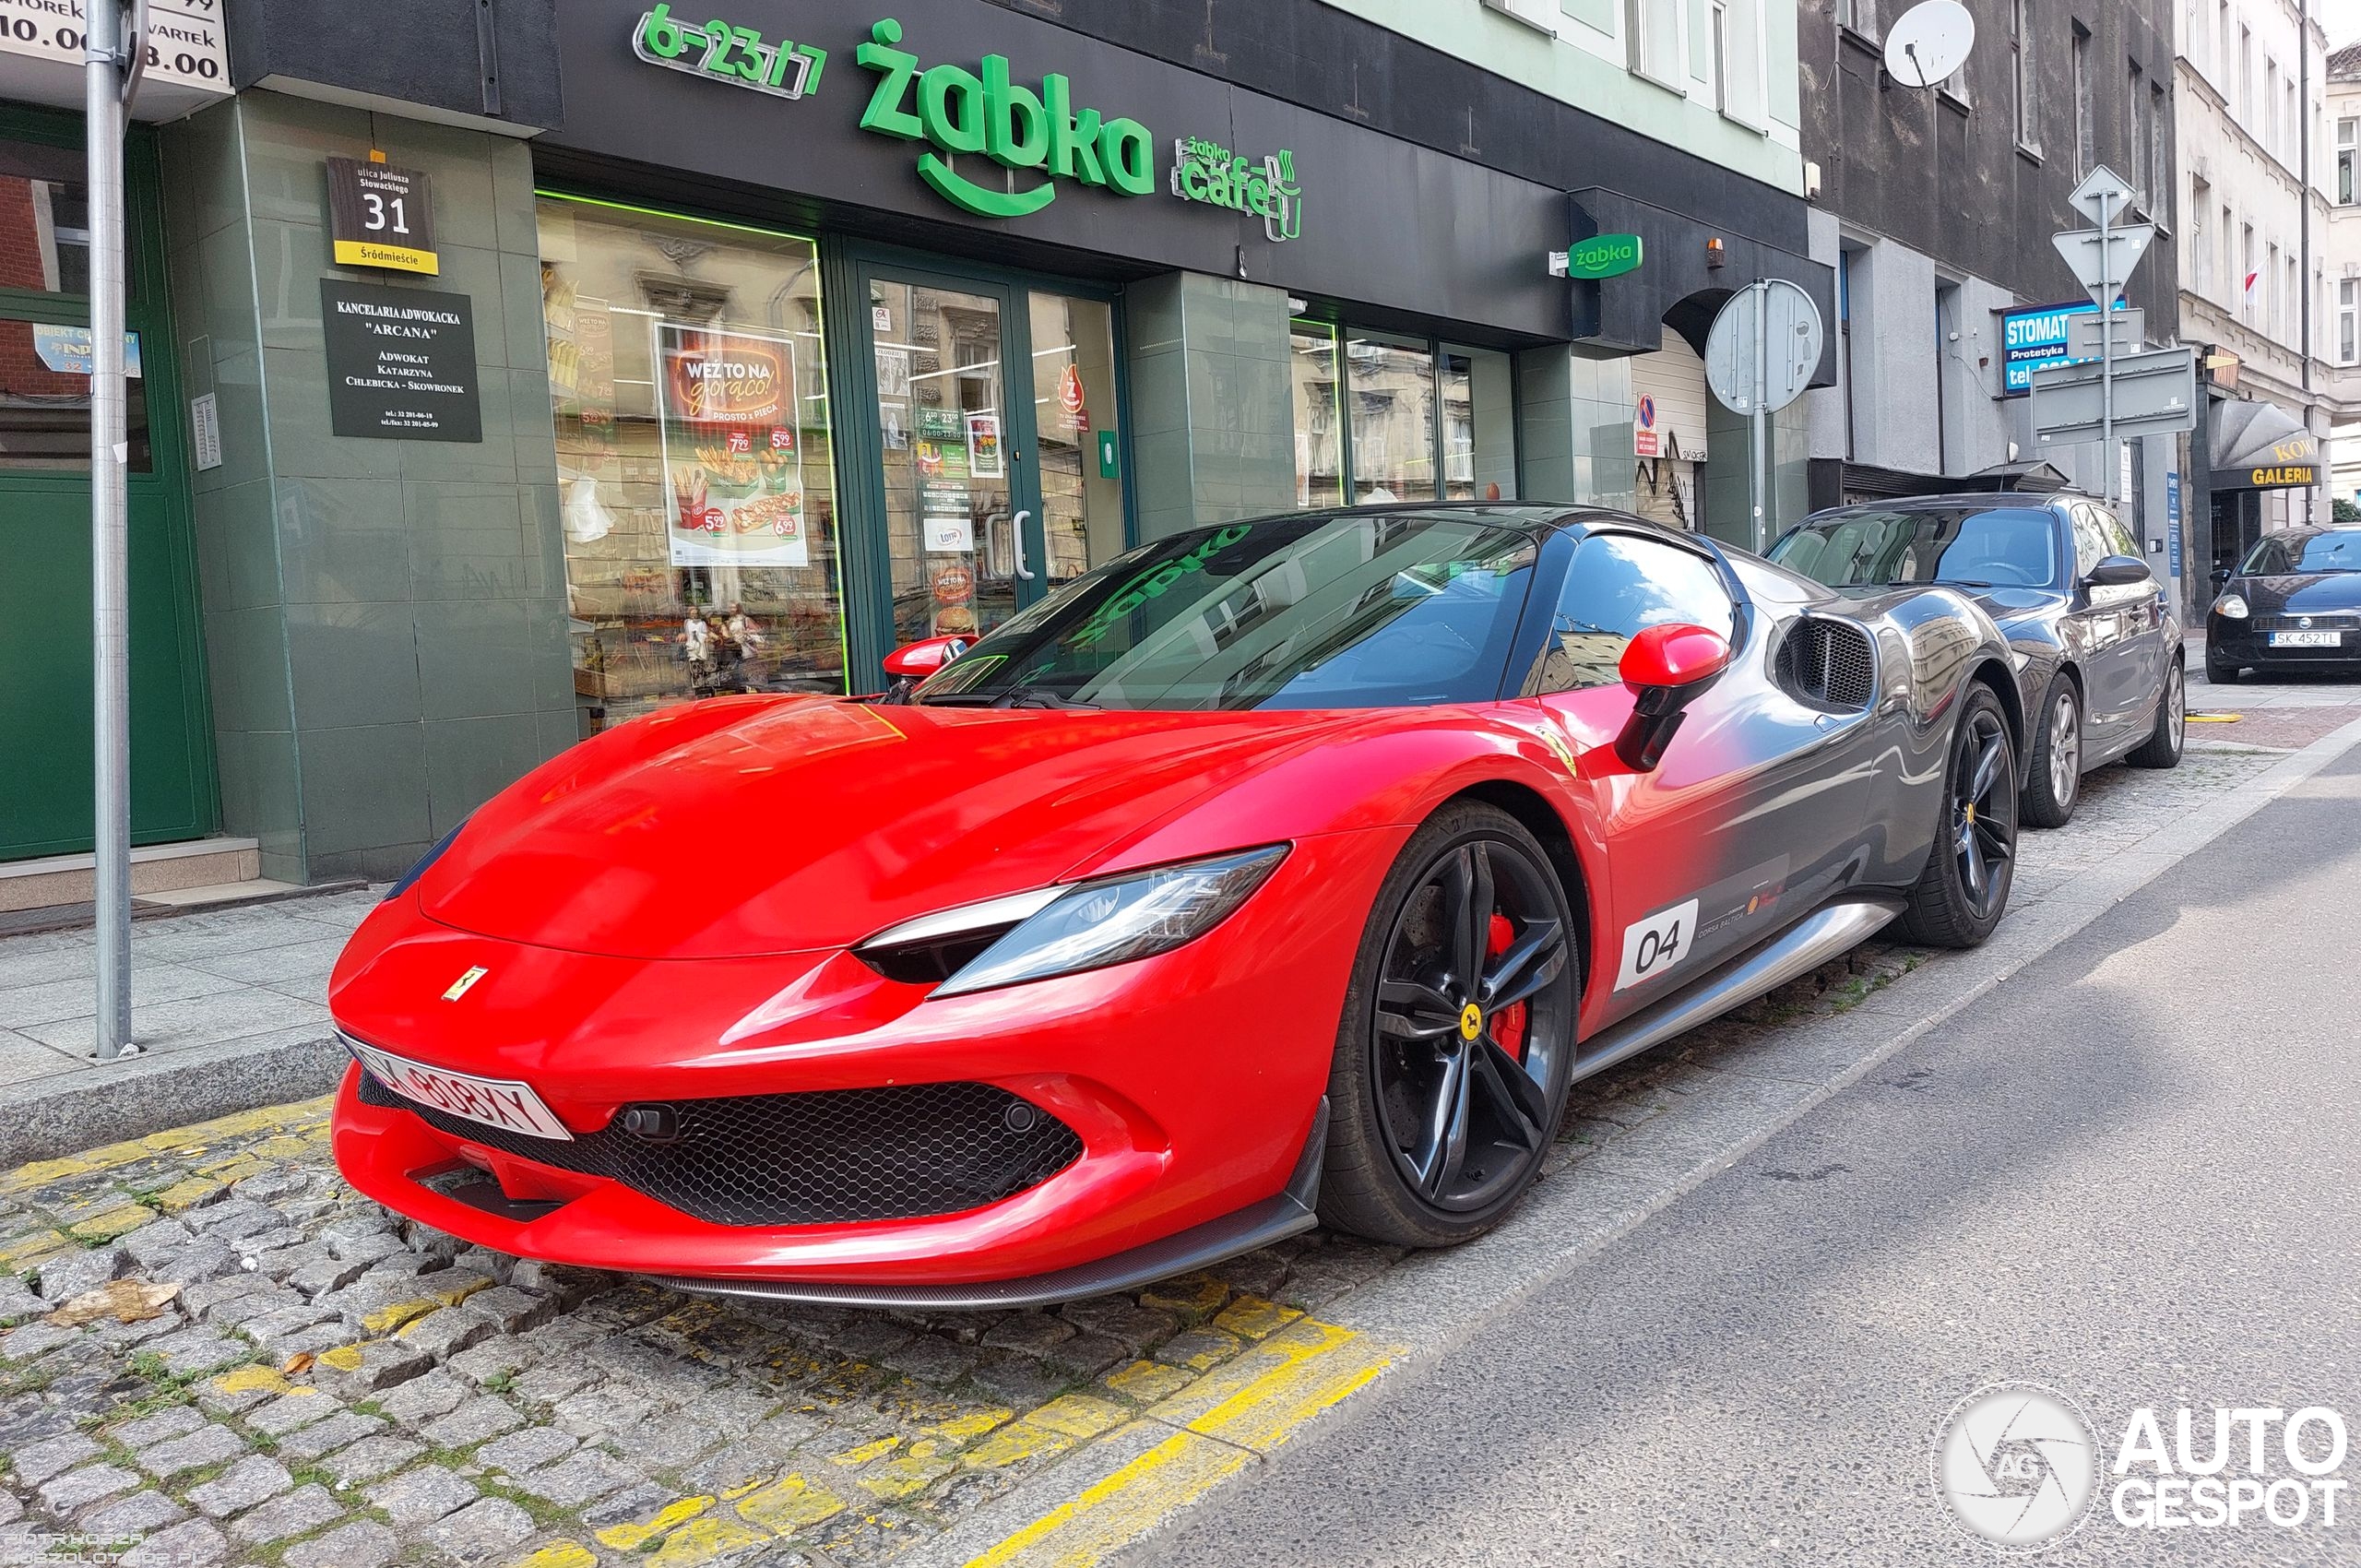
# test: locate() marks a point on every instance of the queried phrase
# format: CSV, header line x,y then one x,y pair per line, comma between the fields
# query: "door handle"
x,y
1016,529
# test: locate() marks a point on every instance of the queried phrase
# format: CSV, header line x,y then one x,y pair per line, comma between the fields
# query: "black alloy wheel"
x,y
1458,1038
1965,889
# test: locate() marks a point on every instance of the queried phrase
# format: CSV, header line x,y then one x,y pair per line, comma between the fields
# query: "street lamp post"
x,y
111,75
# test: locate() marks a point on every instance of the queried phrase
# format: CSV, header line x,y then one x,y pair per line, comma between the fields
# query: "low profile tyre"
x,y
2055,782
2162,748
2220,673
1457,1043
1965,890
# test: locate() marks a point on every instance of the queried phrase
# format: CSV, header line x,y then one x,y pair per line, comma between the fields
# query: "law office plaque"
x,y
401,363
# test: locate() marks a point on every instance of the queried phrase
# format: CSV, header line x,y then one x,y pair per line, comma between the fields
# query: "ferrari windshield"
x,y
1351,610
1975,547
2335,551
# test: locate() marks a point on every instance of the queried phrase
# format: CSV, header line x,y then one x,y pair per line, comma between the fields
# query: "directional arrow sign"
x,y
2103,196
2103,263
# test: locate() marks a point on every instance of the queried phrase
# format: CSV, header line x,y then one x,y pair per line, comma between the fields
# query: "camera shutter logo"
x,y
2017,1463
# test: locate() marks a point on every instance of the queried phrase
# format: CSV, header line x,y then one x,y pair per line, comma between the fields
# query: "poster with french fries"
x,y
733,454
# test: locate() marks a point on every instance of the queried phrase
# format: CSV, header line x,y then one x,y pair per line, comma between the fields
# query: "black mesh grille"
x,y
2307,623
1831,663
817,1159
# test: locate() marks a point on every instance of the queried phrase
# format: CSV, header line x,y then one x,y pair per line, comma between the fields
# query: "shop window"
x,y
696,467
1390,389
1381,419
1319,416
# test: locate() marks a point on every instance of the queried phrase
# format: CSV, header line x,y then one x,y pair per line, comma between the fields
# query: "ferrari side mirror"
x,y
913,662
2117,571
916,661
1667,667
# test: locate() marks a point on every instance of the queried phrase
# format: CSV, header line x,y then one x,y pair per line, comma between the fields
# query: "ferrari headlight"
x,y
1088,926
2230,607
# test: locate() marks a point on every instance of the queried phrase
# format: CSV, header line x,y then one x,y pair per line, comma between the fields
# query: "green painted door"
x,y
45,671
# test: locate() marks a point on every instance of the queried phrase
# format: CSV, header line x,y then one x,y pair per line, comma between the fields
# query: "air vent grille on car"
x,y
1830,663
825,1157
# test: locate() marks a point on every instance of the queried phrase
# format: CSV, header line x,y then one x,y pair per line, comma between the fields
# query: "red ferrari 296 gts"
x,y
1284,871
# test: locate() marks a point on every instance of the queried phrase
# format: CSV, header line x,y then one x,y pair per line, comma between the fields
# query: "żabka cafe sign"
x,y
1045,133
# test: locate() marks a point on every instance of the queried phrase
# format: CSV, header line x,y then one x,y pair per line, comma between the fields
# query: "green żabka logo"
x,y
958,112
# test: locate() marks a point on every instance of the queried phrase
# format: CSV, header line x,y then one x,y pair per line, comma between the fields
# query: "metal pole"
x,y
2107,346
110,618
1761,421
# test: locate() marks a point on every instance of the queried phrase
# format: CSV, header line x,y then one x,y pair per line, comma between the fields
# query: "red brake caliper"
x,y
1508,1024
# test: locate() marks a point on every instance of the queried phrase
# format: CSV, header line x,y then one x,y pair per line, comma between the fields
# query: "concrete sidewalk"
x,y
229,1008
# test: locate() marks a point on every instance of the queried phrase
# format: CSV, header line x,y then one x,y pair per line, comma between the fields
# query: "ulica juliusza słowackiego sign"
x,y
985,112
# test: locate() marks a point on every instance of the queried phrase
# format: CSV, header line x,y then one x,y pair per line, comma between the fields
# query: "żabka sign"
x,y
958,112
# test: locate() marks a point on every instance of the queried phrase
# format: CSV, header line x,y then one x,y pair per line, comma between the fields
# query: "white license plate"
x,y
494,1102
2306,640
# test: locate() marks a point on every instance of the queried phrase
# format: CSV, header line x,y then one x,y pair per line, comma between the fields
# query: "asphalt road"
x,y
2129,1174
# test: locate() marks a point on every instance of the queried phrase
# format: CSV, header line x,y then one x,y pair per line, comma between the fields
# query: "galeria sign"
x,y
956,111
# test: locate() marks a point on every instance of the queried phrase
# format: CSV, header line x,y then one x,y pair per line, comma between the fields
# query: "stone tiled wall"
x,y
1213,426
384,619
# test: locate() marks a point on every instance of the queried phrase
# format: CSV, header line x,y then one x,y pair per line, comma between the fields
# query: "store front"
x,y
2266,474
956,349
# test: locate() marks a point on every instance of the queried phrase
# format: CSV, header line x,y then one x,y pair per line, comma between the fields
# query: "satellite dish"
x,y
1929,41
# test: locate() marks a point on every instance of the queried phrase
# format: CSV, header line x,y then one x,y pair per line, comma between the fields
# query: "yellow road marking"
x,y
1306,1367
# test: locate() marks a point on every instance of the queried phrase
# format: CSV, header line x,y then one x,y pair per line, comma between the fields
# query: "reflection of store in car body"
x,y
884,331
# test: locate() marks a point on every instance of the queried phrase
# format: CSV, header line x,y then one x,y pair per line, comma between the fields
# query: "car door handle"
x,y
1017,528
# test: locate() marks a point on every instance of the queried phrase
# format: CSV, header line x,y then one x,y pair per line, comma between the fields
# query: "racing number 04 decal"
x,y
1651,946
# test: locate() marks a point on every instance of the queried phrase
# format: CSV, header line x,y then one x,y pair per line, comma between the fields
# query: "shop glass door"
x,y
1077,445
951,511
997,449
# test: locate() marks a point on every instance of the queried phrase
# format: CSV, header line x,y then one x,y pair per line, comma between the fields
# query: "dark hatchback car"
x,y
2294,600
2098,646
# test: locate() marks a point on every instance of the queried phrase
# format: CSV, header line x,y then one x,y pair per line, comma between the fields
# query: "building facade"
x,y
2254,274
596,360
1934,207
2340,300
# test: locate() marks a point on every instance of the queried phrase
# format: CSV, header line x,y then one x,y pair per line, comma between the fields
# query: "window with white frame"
x,y
2244,290
2086,125
2020,74
1653,27
2200,258
2348,320
2348,161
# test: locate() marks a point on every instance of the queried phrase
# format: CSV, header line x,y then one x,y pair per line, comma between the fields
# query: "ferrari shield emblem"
x,y
461,986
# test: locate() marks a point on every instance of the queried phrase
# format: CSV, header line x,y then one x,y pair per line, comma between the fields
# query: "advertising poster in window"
x,y
733,461
984,458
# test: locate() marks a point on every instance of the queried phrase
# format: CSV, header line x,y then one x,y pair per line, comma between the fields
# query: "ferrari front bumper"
x,y
1192,1085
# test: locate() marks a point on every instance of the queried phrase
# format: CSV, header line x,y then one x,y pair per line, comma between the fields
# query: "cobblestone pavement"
x,y
322,1384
